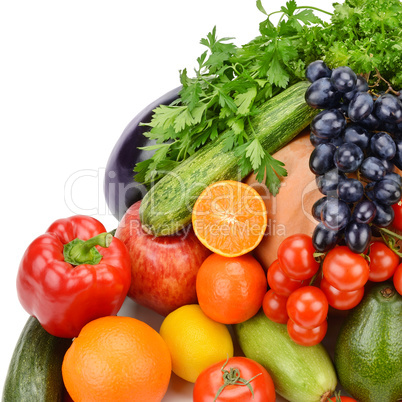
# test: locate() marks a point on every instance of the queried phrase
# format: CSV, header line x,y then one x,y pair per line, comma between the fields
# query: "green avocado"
x,y
368,352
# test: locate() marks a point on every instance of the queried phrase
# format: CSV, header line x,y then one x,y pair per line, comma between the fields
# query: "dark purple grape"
x,y
384,216
321,94
335,214
357,236
371,122
388,108
317,140
350,190
322,158
343,108
360,106
390,128
317,208
344,79
328,124
369,190
328,183
389,166
397,159
361,86
348,157
364,211
317,69
383,146
394,176
387,191
337,141
372,168
356,134
324,239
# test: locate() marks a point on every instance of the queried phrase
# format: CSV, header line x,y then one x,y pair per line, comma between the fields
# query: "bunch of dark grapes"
x,y
357,140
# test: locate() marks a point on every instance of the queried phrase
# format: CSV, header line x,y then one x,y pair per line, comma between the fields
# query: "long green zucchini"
x,y
167,207
34,373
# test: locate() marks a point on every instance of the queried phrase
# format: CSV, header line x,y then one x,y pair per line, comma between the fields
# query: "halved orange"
x,y
230,218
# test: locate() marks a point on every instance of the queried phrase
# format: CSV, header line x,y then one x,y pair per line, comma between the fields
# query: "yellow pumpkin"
x,y
290,211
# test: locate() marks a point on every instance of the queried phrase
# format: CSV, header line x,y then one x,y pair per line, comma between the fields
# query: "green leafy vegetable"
x,y
231,83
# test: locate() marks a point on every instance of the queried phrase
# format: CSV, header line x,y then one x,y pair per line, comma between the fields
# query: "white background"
x,y
73,75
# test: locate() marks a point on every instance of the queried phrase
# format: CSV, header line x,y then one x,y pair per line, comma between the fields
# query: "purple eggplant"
x,y
121,191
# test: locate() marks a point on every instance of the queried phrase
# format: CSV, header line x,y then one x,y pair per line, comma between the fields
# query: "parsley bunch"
x,y
230,83
365,35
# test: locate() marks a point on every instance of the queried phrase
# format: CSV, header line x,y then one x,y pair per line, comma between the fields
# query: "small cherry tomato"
x,y
397,222
296,257
342,399
226,381
274,307
383,262
307,307
279,282
344,269
306,336
398,279
339,299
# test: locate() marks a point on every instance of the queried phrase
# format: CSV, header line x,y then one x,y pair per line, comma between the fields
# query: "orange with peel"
x,y
230,290
230,218
117,359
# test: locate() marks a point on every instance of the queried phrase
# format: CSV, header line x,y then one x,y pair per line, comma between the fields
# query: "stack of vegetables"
x,y
190,154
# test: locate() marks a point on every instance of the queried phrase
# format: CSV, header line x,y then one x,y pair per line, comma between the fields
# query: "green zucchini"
x,y
300,373
34,373
167,207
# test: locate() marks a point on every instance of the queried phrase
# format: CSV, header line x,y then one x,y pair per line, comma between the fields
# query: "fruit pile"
x,y
207,280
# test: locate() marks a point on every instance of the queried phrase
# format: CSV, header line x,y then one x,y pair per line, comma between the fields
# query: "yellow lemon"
x,y
195,341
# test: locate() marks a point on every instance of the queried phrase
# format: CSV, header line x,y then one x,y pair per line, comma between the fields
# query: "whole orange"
x,y
230,290
117,359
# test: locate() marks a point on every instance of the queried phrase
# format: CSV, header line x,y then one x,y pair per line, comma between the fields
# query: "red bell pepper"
x,y
72,274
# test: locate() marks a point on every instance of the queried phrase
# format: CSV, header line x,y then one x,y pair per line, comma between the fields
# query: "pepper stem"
x,y
79,252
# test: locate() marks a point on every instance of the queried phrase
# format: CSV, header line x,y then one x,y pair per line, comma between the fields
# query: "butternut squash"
x,y
290,211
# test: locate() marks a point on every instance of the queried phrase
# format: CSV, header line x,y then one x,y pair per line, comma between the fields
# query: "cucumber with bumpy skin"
x,y
34,373
300,373
167,207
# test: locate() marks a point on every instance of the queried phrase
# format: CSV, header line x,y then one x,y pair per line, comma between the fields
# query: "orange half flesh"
x,y
230,218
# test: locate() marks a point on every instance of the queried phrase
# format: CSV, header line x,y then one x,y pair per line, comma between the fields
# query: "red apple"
x,y
163,269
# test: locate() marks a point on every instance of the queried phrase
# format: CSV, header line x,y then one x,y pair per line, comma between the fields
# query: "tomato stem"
x,y
233,377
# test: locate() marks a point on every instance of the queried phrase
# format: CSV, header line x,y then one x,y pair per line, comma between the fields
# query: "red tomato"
x,y
296,257
305,336
211,380
274,307
383,262
397,222
339,299
398,279
344,269
307,307
279,282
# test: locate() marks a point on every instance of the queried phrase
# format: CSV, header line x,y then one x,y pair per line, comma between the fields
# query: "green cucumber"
x,y
368,351
34,373
167,207
300,373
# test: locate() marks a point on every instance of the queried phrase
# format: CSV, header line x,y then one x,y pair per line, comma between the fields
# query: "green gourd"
x,y
34,373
